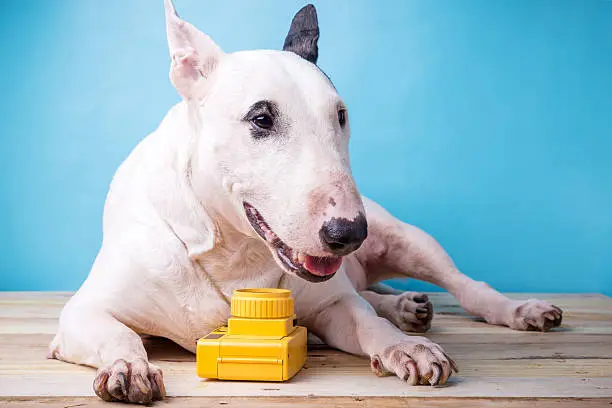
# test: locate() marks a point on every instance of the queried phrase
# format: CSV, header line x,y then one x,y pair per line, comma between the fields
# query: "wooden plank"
x,y
599,323
530,341
30,347
331,402
20,353
333,362
79,383
442,300
37,313
575,368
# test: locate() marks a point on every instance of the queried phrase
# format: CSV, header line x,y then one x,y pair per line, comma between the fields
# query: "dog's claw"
x,y
157,384
437,373
140,390
413,372
117,383
100,387
452,363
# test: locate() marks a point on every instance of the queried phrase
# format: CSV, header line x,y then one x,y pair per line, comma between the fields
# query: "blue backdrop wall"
x,y
486,123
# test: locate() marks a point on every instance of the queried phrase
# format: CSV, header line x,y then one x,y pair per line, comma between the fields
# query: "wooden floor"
x,y
571,366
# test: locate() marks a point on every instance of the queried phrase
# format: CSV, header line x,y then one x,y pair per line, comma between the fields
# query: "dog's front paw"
x,y
136,381
535,315
416,360
412,312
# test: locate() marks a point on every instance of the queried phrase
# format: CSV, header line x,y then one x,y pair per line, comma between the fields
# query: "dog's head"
x,y
271,135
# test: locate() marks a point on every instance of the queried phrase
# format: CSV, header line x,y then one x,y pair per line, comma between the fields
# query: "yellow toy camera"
x,y
260,342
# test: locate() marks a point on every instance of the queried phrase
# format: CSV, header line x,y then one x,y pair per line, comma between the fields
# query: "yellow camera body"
x,y
259,343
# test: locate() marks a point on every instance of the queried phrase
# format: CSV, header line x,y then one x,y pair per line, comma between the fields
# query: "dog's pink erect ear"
x,y
194,55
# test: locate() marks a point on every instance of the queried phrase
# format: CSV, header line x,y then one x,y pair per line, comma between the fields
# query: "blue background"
x,y
487,123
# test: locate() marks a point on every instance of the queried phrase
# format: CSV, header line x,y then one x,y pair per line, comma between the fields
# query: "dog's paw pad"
x,y
136,381
536,315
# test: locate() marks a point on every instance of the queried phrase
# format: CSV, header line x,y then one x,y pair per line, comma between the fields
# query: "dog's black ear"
x,y
303,35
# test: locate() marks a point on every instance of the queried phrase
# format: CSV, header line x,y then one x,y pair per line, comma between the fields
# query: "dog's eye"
x,y
263,121
342,117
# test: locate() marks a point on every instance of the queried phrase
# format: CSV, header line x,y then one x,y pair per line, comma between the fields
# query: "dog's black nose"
x,y
342,236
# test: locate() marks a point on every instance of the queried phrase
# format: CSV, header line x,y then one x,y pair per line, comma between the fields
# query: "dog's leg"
x,y
349,323
409,311
93,337
397,249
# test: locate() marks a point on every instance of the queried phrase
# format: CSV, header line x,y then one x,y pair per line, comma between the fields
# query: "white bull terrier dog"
x,y
247,183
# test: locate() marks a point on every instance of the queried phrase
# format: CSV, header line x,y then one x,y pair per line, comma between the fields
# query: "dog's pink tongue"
x,y
322,266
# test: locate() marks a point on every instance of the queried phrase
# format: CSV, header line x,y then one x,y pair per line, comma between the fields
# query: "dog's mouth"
x,y
311,268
